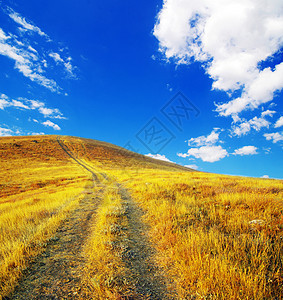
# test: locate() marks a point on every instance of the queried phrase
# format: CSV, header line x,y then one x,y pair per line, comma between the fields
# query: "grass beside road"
x,y
37,192
217,237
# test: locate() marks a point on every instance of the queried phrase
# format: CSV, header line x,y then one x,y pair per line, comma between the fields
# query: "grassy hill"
x,y
84,219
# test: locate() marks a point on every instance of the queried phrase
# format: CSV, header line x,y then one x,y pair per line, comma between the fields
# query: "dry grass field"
x,y
39,185
83,219
217,237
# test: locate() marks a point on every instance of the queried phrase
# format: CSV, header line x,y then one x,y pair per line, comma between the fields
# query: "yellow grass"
x,y
35,197
217,237
107,273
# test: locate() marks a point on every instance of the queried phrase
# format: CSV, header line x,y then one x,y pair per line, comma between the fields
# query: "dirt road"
x,y
57,273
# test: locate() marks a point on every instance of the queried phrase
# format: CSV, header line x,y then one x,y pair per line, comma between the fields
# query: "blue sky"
x,y
194,82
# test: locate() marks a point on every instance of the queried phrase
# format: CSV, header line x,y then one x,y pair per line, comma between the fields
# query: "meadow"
x,y
39,186
216,236
159,231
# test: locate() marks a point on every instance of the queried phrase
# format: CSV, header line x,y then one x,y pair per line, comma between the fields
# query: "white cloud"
x,y
30,58
267,150
258,123
54,113
5,132
26,61
25,24
3,101
274,137
268,113
23,103
184,155
207,150
69,68
241,129
48,123
257,92
230,38
59,116
207,153
57,58
35,104
47,112
195,167
19,104
158,156
236,118
67,64
246,126
203,140
279,122
246,150
32,49
26,70
265,176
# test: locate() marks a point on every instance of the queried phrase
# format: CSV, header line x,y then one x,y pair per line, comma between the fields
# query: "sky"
x,y
195,82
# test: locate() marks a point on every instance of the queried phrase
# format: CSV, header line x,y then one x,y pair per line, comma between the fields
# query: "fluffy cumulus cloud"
x,y
205,147
48,123
207,153
210,139
233,40
158,156
274,137
242,126
279,122
241,129
246,150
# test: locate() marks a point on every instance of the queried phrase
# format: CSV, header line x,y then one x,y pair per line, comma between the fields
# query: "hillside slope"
x,y
47,149
84,219
43,183
23,154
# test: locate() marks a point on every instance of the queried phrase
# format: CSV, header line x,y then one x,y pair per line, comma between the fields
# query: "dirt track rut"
x,y
57,272
146,277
